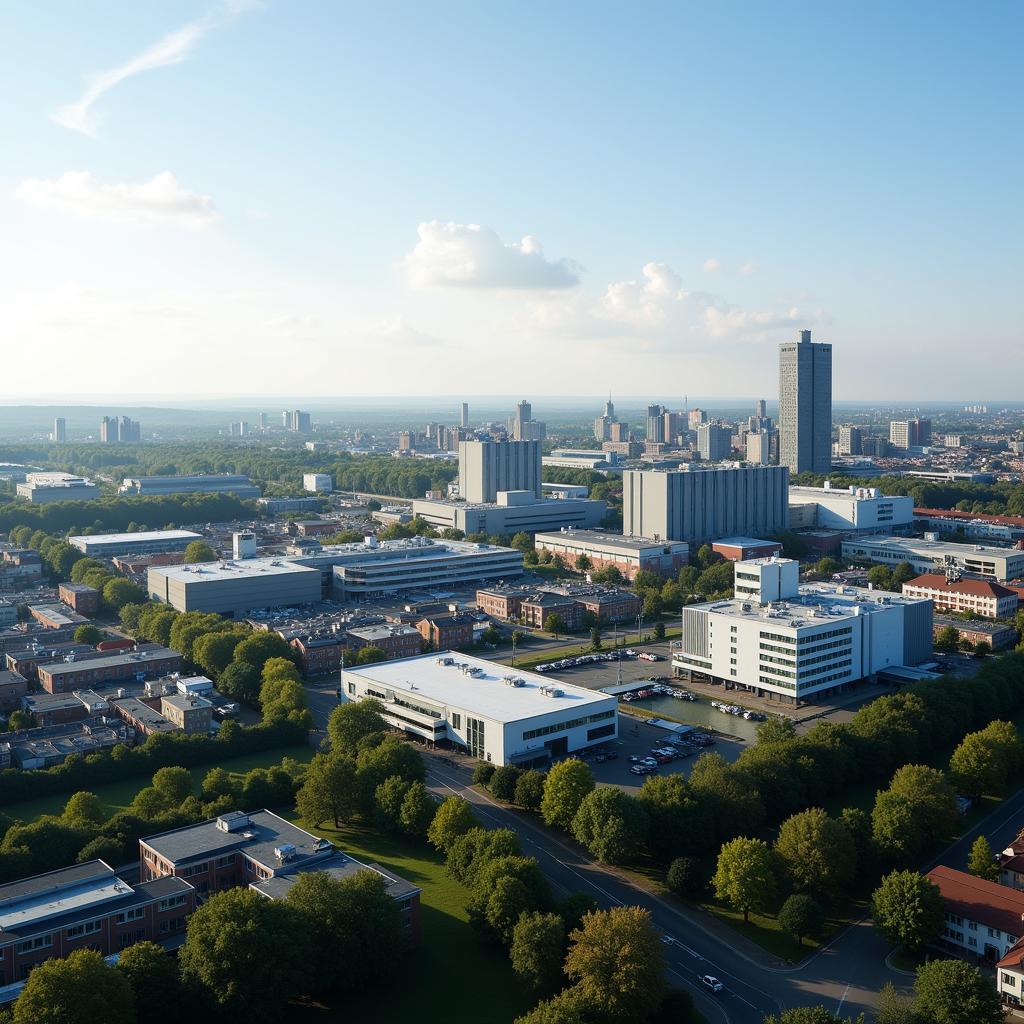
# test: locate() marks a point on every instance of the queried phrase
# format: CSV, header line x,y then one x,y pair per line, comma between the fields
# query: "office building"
x,y
238,429
107,545
1001,529
609,550
128,430
851,441
603,423
702,504
60,430
786,642
13,686
852,508
234,588
188,712
759,451
513,512
953,593
84,906
218,483
497,714
713,441
523,427
80,598
296,421
464,415
805,405
46,488
913,433
487,467
928,555
108,429
874,446
315,482
66,676
396,641
655,423
602,461
743,549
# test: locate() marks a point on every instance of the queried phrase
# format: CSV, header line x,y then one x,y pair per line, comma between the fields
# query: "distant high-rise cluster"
x,y
805,405
523,427
603,424
119,428
239,429
296,421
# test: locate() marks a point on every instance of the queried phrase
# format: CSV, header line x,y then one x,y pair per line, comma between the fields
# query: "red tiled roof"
x,y
988,903
978,588
952,513
1014,955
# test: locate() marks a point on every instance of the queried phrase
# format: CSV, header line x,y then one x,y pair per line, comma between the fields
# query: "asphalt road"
x,y
844,976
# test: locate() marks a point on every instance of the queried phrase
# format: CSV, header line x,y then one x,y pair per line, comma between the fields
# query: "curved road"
x,y
845,976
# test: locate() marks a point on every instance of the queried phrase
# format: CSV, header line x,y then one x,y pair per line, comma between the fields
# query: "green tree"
x,y
84,808
880,577
258,648
954,992
89,634
328,792
354,926
200,551
503,889
802,917
565,1008
659,630
947,639
80,989
349,723
566,785
529,790
503,782
745,876
908,909
18,720
687,877
616,961
555,625
776,730
811,1015
213,652
985,761
827,566
595,638
248,955
583,562
417,811
240,681
611,824
153,976
981,861
816,854
895,1007
916,810
174,782
119,593
454,817
370,655
537,951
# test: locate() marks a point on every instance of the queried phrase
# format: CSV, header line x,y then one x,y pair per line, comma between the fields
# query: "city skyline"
x,y
644,202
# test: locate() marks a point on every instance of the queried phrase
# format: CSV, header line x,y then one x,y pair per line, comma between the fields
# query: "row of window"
x,y
768,681
547,730
782,638
846,642
841,631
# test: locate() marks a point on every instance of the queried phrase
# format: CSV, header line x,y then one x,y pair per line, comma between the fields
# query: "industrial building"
x,y
929,555
107,545
46,488
497,714
605,550
219,483
703,504
234,588
513,512
863,509
786,642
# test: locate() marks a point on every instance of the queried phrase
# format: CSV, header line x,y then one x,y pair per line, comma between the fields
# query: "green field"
x,y
453,964
116,796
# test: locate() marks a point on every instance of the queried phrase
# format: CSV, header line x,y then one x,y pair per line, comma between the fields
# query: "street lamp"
x,y
639,626
514,635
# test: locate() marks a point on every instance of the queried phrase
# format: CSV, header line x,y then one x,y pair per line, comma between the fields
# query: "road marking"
x,y
843,1000
696,988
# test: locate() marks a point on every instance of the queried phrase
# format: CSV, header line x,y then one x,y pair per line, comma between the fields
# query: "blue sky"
x,y
332,198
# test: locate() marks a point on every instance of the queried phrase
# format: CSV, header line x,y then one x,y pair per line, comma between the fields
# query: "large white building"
x,y
317,481
216,483
107,545
929,555
45,488
514,511
787,642
851,508
498,714
702,504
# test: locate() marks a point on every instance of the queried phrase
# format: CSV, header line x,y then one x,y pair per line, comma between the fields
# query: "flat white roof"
x,y
245,568
144,535
621,541
488,694
934,547
745,542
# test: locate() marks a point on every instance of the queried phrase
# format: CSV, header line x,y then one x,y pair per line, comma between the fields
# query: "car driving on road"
x,y
711,983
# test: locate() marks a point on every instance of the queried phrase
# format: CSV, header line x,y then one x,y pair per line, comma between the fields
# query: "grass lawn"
x,y
116,796
452,966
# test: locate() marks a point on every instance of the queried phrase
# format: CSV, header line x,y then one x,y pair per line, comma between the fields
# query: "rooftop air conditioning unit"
x,y
285,851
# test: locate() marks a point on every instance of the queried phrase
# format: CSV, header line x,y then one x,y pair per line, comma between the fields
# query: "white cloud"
x,y
711,265
173,48
160,201
471,256
747,269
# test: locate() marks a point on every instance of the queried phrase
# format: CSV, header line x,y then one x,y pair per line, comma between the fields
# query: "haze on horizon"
x,y
244,198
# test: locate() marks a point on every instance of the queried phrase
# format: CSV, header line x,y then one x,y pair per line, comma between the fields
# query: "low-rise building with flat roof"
x,y
13,686
213,483
56,616
447,631
926,556
234,588
145,542
998,635
742,549
497,714
984,528
80,598
863,509
190,713
610,550
396,641
46,488
787,642
64,676
513,512
47,746
142,716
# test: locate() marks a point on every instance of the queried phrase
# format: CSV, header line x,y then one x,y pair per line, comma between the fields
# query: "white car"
x,y
711,983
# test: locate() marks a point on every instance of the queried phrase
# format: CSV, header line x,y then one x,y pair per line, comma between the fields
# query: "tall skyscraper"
x,y
910,433
486,467
464,419
523,427
60,430
759,452
761,410
128,430
108,429
655,423
805,405
851,440
603,423
713,441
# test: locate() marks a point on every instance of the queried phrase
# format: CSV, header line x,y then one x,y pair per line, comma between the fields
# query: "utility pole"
x,y
514,634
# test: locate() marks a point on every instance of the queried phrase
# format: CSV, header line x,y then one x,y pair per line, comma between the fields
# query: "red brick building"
x,y
394,641
319,655
536,609
501,602
450,631
13,686
63,677
84,600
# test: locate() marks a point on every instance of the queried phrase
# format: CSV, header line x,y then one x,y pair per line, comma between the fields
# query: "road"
x,y
845,976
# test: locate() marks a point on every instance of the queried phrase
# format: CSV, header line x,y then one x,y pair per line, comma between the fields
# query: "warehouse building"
x,y
107,545
219,483
928,555
497,714
850,508
606,550
787,642
45,488
702,504
234,588
513,512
